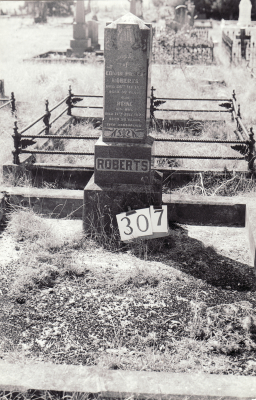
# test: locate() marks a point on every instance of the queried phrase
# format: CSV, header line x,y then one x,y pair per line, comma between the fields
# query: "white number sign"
x,y
147,222
159,219
134,224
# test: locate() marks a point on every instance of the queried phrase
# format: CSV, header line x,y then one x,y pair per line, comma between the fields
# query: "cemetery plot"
x,y
116,309
174,49
85,305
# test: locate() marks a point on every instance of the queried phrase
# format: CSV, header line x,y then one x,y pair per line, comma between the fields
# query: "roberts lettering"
x,y
122,164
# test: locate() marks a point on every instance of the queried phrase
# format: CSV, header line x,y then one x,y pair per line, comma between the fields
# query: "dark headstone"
x,y
123,154
103,202
127,51
122,171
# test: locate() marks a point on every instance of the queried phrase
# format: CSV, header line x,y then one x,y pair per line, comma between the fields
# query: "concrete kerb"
x,y
251,228
123,384
53,203
191,210
77,175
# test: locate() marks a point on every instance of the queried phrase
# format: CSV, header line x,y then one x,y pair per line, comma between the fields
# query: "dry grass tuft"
x,y
211,184
228,329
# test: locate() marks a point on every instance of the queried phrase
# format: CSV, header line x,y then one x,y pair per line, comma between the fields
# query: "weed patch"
x,y
212,184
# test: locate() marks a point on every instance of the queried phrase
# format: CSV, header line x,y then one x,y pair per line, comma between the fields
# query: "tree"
x,y
203,7
226,9
51,7
218,9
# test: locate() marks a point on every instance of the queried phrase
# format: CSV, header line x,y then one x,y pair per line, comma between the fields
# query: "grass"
x,y
212,184
81,129
45,395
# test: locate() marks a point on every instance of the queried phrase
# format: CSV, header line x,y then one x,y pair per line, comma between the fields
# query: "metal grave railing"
x,y
245,144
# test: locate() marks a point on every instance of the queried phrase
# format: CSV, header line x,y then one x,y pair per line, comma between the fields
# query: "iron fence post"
x,y
69,101
152,108
251,152
239,111
17,145
13,105
152,98
46,118
232,111
234,95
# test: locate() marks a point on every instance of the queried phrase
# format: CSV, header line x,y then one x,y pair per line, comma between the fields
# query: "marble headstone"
x,y
245,8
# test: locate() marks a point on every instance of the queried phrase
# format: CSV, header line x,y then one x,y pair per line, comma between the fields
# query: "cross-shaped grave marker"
x,y
243,37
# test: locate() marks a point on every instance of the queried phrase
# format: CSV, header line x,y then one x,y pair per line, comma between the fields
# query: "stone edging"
x,y
121,384
194,210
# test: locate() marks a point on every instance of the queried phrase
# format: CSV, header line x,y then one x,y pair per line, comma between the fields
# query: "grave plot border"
x,y
61,57
122,384
190,210
22,140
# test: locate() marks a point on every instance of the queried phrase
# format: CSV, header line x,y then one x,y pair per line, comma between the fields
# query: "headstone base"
x,y
103,202
79,46
123,162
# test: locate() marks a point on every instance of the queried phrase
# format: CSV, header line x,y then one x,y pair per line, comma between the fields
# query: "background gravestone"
x,y
2,95
245,9
242,34
136,8
81,41
93,27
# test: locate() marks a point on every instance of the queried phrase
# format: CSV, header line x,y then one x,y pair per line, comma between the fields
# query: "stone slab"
x,y
63,203
72,174
122,162
121,384
251,229
93,27
127,53
218,211
56,203
103,202
196,210
68,175
78,44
